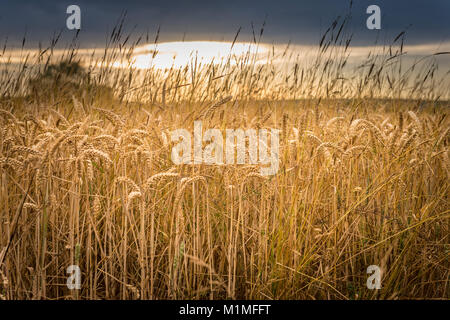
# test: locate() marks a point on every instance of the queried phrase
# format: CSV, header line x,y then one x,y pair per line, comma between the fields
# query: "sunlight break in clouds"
x,y
179,54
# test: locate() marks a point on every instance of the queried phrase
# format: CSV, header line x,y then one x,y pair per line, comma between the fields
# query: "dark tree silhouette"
x,y
64,80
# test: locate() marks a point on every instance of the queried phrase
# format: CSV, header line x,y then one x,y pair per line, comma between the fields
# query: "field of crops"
x,y
87,178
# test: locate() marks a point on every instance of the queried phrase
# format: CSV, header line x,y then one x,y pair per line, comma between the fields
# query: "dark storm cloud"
x,y
300,21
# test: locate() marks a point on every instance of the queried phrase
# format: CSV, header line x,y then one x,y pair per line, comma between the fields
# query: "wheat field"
x,y
87,179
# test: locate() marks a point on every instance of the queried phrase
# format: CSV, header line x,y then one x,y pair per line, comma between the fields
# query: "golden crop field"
x,y
87,178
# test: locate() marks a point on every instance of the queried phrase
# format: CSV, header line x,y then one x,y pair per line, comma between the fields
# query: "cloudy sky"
x,y
298,21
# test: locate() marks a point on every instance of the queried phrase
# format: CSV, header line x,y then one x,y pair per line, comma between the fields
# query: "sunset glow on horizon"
x,y
179,54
